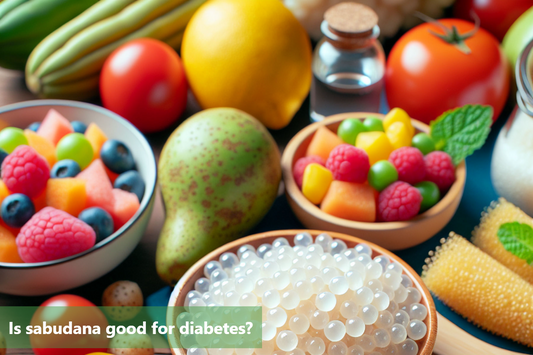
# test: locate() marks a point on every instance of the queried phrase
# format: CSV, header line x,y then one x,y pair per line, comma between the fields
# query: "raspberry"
x,y
53,234
301,164
399,202
409,162
440,170
26,172
348,163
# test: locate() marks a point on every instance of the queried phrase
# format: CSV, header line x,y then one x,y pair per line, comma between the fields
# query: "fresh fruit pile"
x,y
374,170
65,186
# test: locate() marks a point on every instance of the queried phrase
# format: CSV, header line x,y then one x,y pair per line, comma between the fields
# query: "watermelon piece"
x,y
67,194
8,247
126,205
43,146
350,200
323,143
98,187
54,127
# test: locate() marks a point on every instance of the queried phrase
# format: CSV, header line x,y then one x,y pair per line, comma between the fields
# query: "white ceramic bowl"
x,y
56,276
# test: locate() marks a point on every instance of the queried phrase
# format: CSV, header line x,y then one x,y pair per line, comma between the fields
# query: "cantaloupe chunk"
x,y
42,145
323,143
375,144
98,188
4,124
54,127
67,194
126,205
350,200
8,247
4,192
39,202
96,137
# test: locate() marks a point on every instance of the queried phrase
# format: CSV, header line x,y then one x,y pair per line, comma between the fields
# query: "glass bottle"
x,y
348,63
512,158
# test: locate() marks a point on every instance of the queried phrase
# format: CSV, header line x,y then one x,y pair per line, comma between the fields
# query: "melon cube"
x,y
54,127
96,137
4,124
375,144
323,143
399,135
398,115
43,146
8,247
4,192
39,202
98,188
67,194
350,200
125,206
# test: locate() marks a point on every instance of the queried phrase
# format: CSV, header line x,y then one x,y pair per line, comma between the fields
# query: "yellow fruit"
x,y
316,182
375,144
398,115
251,55
398,135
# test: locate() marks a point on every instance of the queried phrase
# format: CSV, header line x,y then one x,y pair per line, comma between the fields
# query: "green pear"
x,y
219,174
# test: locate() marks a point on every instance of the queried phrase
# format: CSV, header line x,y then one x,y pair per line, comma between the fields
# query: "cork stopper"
x,y
351,19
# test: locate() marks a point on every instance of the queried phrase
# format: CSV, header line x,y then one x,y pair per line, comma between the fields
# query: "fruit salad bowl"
x,y
391,235
187,282
42,278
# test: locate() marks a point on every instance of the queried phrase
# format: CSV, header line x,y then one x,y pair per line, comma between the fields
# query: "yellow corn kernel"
x,y
398,135
398,115
375,144
316,182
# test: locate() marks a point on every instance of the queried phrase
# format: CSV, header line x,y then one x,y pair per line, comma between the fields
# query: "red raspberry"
x,y
440,170
53,234
26,172
409,162
301,164
399,202
348,163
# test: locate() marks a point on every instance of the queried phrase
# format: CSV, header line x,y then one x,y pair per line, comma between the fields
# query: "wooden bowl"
x,y
390,235
186,284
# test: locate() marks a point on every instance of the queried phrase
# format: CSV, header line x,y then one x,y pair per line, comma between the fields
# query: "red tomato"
x,y
78,316
427,76
144,82
496,15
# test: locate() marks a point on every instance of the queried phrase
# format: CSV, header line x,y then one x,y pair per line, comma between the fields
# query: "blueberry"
x,y
65,168
3,155
117,157
131,181
17,209
99,220
34,126
78,127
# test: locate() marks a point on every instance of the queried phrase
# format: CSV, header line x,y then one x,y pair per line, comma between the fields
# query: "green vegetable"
x,y
517,238
462,131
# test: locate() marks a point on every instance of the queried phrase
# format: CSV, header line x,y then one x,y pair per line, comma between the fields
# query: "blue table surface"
x,y
478,194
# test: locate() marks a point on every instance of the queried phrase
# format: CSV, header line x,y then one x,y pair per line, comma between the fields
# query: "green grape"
x,y
382,174
12,137
373,124
76,147
430,194
423,142
349,129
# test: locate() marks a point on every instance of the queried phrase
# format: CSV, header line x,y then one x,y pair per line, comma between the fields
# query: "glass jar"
x,y
348,70
512,159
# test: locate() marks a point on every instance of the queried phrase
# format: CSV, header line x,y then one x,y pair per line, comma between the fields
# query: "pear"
x,y
219,174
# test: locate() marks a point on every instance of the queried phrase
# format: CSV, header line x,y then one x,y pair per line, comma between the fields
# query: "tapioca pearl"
x,y
248,300
312,259
374,285
244,351
210,267
248,256
327,260
268,330
325,301
243,285
196,351
267,348
245,248
269,268
356,350
238,271
363,248
358,267
342,262
316,346
319,319
271,298
393,307
207,298
382,260
380,301
392,279
395,266
406,281
286,250
302,340
281,280
385,320
285,262
350,254
262,285
398,333
190,296
253,274
263,248
400,295
337,348
297,274
279,242
307,308
401,317
366,342
231,298
324,241
363,259
218,296
369,314
311,271
413,296
382,338
373,270
218,275
389,291
328,273
337,246
290,299
270,255
296,351
196,302
277,316
416,329
315,249
392,349
349,309
417,311
303,239
318,284
407,347
202,285
363,296
339,285
355,327
299,251
304,289
355,281
299,324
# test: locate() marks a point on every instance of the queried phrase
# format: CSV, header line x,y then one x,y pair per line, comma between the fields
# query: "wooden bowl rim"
x,y
186,282
296,194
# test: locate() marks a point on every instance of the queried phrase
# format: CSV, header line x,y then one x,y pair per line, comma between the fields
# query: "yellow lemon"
x,y
252,55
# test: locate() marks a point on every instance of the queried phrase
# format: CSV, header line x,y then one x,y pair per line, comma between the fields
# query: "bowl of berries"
x,y
382,178
76,194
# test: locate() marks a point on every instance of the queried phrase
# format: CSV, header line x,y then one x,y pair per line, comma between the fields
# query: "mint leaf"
x,y
517,238
462,131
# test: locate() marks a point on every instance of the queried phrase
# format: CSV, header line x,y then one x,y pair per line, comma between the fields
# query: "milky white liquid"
x,y
512,162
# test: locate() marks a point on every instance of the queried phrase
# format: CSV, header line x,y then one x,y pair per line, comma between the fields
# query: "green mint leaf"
x,y
517,238
462,131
